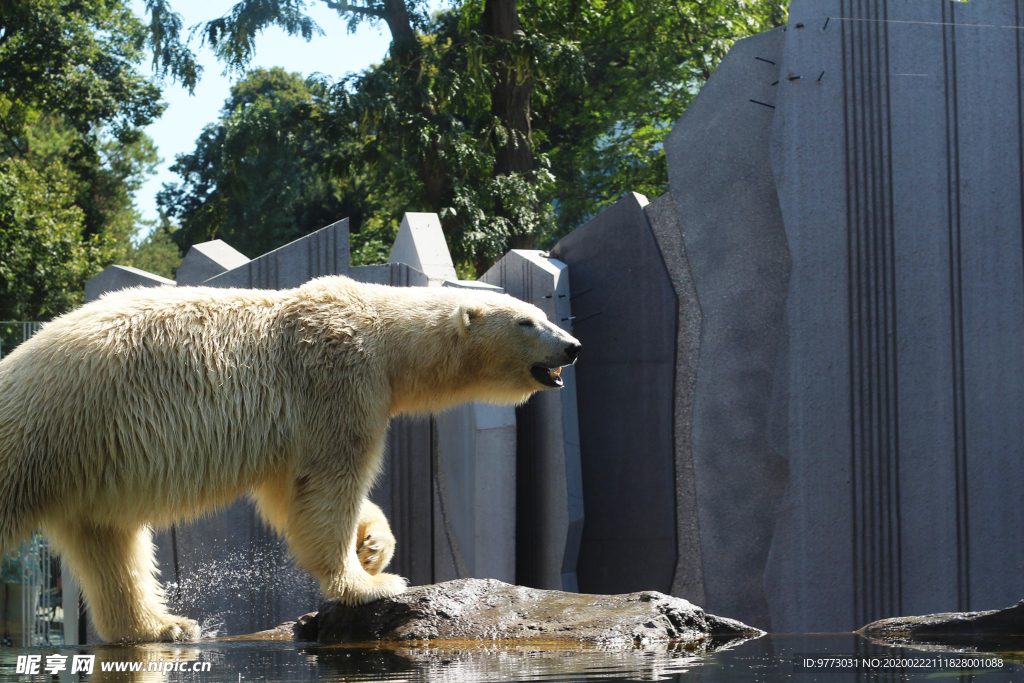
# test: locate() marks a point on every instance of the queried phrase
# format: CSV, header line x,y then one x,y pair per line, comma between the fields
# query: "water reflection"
x,y
767,659
454,664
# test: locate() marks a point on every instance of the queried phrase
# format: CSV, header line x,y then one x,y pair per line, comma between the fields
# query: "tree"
x,y
513,120
45,261
73,105
256,178
638,67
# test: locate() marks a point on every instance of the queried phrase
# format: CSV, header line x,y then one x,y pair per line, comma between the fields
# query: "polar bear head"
x,y
436,346
511,347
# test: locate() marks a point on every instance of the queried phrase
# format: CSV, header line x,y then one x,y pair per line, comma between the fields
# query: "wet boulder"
x,y
491,610
989,628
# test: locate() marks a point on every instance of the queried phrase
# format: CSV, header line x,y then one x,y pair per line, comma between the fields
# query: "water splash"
x,y
241,592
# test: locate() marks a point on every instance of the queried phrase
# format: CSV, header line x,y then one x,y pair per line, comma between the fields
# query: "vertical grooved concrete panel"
x,y
324,252
404,492
900,401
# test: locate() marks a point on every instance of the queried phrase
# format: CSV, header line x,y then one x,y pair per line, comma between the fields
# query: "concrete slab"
x,y
208,259
420,243
899,403
113,278
624,313
549,501
475,483
735,247
324,252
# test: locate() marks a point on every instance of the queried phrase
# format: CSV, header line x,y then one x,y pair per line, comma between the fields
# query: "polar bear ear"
x,y
464,317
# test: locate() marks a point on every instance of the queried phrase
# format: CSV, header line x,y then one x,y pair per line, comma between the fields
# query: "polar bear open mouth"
x,y
549,377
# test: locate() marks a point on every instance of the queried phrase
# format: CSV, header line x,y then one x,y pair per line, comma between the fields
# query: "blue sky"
x,y
335,53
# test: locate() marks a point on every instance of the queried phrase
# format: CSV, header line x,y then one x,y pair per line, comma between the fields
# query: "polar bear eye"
x,y
526,322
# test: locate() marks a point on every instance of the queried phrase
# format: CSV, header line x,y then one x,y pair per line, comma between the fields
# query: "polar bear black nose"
x,y
571,351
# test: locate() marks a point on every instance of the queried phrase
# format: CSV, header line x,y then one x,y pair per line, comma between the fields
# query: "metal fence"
x,y
13,333
42,616
35,596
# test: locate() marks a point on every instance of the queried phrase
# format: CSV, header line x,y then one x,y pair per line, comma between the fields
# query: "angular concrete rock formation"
x,y
732,233
624,311
899,399
549,512
420,243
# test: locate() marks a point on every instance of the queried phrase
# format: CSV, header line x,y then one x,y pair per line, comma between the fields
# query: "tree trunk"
x,y
510,104
430,168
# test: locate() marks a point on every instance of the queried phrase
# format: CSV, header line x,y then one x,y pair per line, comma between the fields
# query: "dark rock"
x,y
952,628
486,609
306,627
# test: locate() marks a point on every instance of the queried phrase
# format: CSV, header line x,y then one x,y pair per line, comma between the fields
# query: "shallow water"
x,y
770,658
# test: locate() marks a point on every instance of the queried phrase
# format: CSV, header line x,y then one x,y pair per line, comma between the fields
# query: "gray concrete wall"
x,y
206,260
324,252
420,243
835,289
688,578
475,493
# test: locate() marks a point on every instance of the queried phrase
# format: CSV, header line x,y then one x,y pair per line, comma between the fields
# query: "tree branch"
x,y
357,9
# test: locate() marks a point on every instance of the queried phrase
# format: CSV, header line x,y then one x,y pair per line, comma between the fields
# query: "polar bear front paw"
x,y
387,586
178,629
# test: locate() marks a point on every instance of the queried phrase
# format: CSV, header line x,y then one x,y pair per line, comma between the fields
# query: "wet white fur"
x,y
150,406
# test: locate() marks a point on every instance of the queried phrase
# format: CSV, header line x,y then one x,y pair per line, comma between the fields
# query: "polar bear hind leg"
x,y
116,571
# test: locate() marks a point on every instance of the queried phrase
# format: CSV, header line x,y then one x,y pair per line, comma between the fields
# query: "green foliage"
x,y
72,109
76,59
254,179
600,84
171,57
633,69
233,35
106,173
44,262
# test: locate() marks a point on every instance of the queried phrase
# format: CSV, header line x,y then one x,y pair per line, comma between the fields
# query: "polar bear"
x,y
153,405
